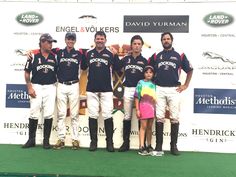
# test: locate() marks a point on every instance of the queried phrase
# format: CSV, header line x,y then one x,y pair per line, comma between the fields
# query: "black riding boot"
x,y
32,133
159,136
174,136
126,135
93,129
46,133
109,133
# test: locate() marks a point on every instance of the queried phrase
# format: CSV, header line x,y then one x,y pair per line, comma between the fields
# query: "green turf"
x,y
62,163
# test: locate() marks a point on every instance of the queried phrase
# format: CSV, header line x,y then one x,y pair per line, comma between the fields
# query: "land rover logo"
x,y
218,19
29,18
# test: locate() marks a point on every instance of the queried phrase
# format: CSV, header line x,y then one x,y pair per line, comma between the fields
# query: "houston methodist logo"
x,y
17,96
215,101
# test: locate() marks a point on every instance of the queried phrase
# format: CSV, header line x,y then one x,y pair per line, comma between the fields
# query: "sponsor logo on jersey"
x,y
45,68
51,60
173,58
105,55
29,18
134,68
140,63
167,64
71,60
98,61
218,19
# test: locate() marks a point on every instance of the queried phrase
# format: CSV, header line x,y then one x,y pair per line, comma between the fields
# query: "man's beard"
x,y
167,47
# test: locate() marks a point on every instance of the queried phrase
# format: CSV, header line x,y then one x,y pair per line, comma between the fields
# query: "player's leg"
x,y
160,115
49,101
107,108
61,102
174,108
128,110
35,107
93,112
74,108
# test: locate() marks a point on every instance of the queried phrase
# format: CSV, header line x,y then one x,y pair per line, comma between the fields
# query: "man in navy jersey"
x,y
41,89
69,61
133,64
99,89
167,65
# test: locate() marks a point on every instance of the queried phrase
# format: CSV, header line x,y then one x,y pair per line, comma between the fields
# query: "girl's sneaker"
x,y
142,151
149,150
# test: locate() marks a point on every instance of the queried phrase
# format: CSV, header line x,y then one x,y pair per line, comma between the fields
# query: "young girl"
x,y
145,98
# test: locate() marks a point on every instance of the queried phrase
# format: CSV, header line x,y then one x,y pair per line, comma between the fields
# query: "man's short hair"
x,y
100,33
136,37
70,35
165,33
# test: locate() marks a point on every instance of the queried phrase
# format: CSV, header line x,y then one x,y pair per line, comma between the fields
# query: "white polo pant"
x,y
44,102
97,99
68,95
167,97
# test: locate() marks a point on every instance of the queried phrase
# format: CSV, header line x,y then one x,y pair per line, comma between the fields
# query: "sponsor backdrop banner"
x,y
207,37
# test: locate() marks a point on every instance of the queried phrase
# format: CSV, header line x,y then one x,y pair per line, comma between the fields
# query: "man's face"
x,y
136,46
46,45
70,42
166,42
100,42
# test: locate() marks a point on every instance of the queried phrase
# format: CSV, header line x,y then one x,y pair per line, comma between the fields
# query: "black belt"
x,y
69,82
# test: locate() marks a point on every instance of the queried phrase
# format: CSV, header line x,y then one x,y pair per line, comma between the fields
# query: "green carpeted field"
x,y
37,162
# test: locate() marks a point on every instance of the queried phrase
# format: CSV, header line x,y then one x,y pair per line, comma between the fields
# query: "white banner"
x,y
206,36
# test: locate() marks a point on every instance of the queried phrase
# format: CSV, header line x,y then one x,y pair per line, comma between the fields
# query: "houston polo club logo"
x,y
29,18
218,19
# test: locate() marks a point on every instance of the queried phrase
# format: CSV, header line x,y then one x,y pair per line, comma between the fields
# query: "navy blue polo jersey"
x,y
134,69
43,69
68,64
100,70
167,65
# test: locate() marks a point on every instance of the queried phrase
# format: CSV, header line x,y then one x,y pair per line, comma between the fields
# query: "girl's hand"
x,y
137,113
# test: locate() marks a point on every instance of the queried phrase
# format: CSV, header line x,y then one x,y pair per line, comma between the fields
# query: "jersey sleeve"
x,y
138,89
84,60
186,66
55,50
118,63
151,60
28,65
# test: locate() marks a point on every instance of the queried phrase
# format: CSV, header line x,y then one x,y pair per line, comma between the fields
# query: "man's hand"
x,y
181,88
29,55
31,92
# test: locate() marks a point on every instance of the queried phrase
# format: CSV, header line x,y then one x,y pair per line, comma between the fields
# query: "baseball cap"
x,y
148,67
46,37
70,35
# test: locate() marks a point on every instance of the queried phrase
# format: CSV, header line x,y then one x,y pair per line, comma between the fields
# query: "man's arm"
x,y
186,83
31,91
